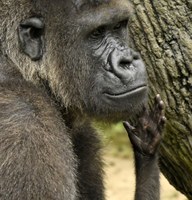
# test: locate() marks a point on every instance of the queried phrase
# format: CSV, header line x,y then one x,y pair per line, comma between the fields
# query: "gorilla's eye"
x,y
121,25
99,32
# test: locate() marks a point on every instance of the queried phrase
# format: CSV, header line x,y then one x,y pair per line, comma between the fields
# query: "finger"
x,y
135,141
161,105
157,98
128,127
157,112
161,124
163,119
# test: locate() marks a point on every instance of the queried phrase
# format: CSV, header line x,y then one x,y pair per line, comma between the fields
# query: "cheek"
x,y
80,73
108,94
100,51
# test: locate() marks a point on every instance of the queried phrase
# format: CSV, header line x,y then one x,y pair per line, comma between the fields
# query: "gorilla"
x,y
63,64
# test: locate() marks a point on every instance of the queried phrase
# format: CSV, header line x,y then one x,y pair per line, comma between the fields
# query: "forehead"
x,y
105,12
75,9
82,5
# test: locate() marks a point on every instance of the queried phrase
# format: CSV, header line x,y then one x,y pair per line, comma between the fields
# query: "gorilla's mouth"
x,y
132,92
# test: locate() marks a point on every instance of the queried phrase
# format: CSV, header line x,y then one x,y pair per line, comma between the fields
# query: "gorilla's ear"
x,y
31,37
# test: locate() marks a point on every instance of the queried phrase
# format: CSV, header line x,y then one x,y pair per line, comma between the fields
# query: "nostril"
x,y
125,63
136,56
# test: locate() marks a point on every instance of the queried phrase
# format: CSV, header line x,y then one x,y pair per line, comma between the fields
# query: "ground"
x,y
120,181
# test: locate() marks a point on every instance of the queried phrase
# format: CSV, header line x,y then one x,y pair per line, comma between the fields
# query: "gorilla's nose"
x,y
121,63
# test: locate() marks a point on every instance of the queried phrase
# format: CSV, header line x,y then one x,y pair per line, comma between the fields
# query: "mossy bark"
x,y
162,32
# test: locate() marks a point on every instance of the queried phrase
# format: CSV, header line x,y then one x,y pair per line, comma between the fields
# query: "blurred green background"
x,y
115,139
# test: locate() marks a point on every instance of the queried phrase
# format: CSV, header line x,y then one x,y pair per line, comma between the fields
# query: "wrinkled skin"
x,y
63,64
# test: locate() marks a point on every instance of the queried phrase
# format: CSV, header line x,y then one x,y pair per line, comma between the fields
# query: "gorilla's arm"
x,y
36,155
90,168
145,139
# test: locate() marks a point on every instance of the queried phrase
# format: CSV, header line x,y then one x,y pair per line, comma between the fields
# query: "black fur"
x,y
64,63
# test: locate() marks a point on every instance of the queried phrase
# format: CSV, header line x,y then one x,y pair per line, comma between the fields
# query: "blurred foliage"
x,y
115,139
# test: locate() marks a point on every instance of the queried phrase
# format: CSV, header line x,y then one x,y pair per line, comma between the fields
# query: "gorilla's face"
x,y
88,59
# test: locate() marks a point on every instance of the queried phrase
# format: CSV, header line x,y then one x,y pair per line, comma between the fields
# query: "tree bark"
x,y
162,32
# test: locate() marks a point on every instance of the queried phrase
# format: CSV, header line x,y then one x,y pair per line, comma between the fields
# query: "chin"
x,y
119,107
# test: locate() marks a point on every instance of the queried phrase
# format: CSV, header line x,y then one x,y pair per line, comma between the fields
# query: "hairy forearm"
x,y
145,138
147,177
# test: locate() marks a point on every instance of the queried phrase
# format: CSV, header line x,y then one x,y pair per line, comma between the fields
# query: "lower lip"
x,y
127,94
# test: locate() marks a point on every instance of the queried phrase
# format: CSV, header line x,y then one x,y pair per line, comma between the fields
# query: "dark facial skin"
x,y
113,80
62,64
118,75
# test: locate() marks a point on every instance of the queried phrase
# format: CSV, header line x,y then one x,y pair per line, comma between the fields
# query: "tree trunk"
x,y
162,32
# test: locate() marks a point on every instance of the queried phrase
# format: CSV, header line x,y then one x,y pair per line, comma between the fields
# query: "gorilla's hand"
x,y
147,134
